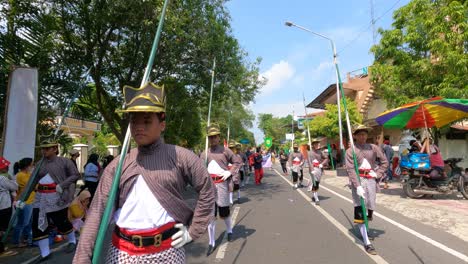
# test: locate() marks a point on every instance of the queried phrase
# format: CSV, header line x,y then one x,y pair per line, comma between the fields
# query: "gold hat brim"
x,y
214,133
142,108
48,145
361,128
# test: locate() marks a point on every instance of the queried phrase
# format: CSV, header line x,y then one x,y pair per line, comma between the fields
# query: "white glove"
x,y
180,238
80,183
19,204
320,166
360,192
226,175
59,189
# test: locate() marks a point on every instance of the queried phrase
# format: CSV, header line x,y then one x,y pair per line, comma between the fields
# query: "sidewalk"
x,y
446,212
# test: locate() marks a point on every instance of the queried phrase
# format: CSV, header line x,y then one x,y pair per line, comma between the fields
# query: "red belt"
x,y
47,188
135,242
365,174
296,163
216,178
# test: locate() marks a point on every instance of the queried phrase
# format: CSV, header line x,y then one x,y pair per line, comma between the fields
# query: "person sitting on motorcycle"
x,y
435,158
415,147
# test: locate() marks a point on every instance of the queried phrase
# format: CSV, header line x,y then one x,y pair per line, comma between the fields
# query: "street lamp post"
x,y
338,79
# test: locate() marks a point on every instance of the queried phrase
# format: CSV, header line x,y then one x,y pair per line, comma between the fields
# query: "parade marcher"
x,y
153,220
258,168
367,156
283,160
234,184
317,160
7,187
218,160
296,163
23,228
56,190
243,169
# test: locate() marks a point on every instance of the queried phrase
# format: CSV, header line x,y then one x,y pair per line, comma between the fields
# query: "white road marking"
x,y
51,251
411,231
223,247
376,258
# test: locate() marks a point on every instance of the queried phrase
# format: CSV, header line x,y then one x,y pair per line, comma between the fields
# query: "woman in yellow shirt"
x,y
22,170
78,208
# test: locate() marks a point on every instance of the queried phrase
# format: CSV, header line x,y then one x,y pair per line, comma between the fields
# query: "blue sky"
x,y
297,62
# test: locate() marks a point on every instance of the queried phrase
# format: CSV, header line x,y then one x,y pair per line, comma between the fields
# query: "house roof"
x,y
320,101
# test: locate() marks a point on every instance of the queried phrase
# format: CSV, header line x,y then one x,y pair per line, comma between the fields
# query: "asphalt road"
x,y
276,224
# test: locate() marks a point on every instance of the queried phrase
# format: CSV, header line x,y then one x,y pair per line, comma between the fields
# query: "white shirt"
x,y
141,210
46,179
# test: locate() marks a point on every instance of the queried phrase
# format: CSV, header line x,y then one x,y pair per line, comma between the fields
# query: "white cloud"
x,y
323,68
276,76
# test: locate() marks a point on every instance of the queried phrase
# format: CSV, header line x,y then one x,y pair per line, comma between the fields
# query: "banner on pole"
x,y
290,136
19,131
268,142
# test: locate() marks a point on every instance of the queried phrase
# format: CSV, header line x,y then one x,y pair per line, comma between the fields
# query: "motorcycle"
x,y
417,182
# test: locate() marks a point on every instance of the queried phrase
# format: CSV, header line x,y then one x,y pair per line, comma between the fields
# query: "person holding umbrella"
x,y
367,156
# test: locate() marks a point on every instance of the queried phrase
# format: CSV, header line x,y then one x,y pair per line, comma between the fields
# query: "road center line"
x,y
411,231
376,258
223,247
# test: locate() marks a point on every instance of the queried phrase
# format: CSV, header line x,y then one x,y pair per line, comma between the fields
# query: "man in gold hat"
x,y
296,163
316,160
218,159
153,221
367,156
55,191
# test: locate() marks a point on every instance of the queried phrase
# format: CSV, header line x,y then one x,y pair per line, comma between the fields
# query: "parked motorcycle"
x,y
417,183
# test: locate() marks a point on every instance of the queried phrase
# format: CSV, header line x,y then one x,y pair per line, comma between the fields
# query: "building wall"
x,y
455,148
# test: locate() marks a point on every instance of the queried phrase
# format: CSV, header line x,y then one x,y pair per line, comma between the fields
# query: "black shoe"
x,y
238,201
229,237
211,249
70,248
317,202
313,199
369,218
370,249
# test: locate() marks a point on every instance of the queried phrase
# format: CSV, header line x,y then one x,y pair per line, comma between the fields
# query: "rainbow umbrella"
x,y
427,113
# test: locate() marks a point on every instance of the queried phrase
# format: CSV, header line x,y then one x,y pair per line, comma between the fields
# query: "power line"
x,y
367,27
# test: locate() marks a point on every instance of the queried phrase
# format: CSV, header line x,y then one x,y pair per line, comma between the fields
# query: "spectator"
x,y
74,154
388,151
78,209
23,227
7,187
108,159
92,171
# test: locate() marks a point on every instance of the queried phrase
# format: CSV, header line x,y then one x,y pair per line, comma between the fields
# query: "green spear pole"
x,y
118,173
209,109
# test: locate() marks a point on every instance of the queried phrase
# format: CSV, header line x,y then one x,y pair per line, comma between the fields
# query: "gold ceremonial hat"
x,y
213,130
148,98
232,144
47,144
360,127
295,145
316,140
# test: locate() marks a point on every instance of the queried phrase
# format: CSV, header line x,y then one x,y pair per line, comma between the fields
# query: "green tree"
x,y
424,54
114,39
274,127
327,125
